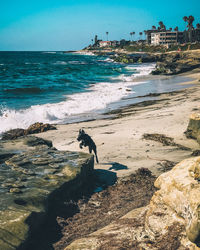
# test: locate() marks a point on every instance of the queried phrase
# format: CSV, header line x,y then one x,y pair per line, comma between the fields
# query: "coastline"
x,y
124,148
120,146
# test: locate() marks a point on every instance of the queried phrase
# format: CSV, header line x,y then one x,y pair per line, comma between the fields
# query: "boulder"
x,y
13,134
39,127
29,183
177,202
193,129
35,128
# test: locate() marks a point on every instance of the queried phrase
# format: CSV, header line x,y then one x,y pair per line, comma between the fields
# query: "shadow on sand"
x,y
115,166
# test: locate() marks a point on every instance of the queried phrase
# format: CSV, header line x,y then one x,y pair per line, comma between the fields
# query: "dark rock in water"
x,y
135,58
35,128
29,183
13,134
39,127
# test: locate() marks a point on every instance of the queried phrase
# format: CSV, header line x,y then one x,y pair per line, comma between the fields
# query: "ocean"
x,y
58,87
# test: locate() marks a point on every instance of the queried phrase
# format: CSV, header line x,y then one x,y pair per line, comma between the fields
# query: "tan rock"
x,y
170,221
193,129
176,201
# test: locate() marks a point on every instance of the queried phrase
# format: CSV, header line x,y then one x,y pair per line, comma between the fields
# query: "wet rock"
x,y
134,58
13,134
29,185
37,127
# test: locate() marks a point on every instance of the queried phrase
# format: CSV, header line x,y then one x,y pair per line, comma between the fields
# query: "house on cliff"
x,y
167,37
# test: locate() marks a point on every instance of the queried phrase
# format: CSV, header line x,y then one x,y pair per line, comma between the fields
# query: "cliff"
x,y
33,175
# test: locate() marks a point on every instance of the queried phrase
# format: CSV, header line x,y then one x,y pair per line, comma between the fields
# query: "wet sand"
x,y
122,150
119,138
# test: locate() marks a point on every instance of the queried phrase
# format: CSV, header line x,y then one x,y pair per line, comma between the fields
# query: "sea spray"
x,y
51,87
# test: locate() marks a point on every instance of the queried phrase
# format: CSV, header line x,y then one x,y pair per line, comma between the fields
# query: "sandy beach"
x,y
119,139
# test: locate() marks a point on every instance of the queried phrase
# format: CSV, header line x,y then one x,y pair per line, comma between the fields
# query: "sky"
x,y
60,25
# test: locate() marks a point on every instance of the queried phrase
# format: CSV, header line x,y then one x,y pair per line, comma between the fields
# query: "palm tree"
x,y
198,26
92,41
140,33
161,24
107,35
131,34
190,21
185,19
176,28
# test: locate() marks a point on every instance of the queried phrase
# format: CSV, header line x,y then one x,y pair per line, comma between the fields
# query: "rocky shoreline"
x,y
169,63
33,176
50,191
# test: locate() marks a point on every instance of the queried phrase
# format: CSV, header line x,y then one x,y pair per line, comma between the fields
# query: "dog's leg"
x,y
81,145
95,152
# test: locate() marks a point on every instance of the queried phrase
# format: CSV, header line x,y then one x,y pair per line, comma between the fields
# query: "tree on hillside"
x,y
170,29
140,33
153,27
131,34
185,18
190,21
198,26
107,35
95,39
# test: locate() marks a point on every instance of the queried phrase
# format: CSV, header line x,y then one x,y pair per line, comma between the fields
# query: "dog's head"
x,y
81,135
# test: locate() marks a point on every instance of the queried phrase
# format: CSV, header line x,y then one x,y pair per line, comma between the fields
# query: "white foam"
x,y
49,52
86,53
139,71
97,98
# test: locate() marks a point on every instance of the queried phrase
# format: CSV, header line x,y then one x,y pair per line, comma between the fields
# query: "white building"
x,y
104,43
166,37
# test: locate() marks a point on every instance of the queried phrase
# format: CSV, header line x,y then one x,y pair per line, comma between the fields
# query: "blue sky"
x,y
71,24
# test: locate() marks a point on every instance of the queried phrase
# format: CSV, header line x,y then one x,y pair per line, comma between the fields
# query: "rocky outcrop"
x,y
35,128
29,182
170,221
135,58
193,129
177,201
175,63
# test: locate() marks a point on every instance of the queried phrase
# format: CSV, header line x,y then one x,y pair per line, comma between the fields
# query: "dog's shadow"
x,y
116,166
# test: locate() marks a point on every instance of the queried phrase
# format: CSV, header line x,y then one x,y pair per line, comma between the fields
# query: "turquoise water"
x,y
32,78
53,86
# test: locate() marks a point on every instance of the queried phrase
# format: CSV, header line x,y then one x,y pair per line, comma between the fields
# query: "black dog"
x,y
86,140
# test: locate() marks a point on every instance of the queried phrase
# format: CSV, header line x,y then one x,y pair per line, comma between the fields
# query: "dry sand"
x,y
120,146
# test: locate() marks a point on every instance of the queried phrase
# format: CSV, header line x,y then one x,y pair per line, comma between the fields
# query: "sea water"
x,y
53,87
